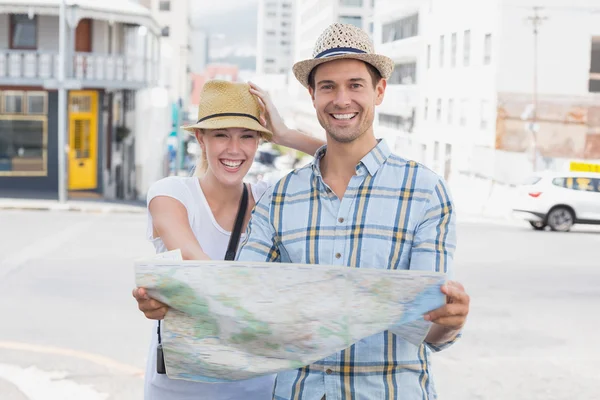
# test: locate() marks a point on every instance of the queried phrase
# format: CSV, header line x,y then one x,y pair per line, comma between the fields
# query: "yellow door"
x,y
83,140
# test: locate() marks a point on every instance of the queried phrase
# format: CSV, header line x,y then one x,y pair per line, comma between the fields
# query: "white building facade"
x,y
275,36
464,82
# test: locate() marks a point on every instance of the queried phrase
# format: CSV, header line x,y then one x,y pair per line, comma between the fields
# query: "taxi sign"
x,y
584,167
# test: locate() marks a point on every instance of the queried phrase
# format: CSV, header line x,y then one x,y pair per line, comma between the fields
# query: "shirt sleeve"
x,y
434,243
261,241
169,187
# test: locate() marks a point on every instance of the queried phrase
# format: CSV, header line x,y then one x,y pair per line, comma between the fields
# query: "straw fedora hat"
x,y
228,105
340,41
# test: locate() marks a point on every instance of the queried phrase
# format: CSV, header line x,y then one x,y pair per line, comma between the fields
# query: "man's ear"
x,y
311,91
380,91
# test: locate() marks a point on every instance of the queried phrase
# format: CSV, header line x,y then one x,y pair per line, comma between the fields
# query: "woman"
x,y
197,214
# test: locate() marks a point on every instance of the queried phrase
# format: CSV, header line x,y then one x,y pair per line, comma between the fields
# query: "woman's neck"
x,y
219,194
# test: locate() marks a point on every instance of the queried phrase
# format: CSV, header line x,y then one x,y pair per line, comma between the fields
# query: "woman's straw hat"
x,y
228,105
340,41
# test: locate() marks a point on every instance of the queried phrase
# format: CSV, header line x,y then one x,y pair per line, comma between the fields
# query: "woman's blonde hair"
x,y
202,161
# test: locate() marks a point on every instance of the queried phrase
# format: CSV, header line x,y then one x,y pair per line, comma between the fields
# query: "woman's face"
x,y
229,152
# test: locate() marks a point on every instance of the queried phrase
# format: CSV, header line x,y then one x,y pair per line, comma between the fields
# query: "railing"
x,y
100,70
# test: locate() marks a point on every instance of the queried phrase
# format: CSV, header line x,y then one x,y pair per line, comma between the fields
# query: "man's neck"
x,y
338,165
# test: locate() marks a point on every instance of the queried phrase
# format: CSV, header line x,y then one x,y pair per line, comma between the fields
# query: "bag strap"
x,y
234,240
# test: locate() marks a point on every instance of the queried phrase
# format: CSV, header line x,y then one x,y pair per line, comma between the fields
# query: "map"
x,y
232,321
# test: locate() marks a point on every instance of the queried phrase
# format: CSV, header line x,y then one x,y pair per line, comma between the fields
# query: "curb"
x,y
83,208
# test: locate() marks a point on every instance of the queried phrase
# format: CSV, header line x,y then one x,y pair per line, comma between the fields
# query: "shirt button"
x,y
328,372
340,220
338,255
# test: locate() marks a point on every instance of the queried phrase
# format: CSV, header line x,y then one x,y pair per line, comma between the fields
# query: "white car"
x,y
559,200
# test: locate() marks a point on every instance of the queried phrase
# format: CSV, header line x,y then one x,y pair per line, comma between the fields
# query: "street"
x,y
71,330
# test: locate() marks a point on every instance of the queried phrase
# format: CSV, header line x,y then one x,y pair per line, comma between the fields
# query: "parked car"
x,y
559,200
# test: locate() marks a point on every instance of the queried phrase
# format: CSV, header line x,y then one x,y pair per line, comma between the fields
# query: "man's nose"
x,y
342,99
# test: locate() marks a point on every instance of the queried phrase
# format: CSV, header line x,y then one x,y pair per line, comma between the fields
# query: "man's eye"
x,y
326,87
356,85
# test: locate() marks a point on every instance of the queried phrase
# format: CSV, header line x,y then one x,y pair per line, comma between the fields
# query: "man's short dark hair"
x,y
374,72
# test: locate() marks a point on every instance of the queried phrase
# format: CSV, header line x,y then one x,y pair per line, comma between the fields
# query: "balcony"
x,y
91,70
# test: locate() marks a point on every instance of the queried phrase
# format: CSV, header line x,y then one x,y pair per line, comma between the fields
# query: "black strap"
x,y
234,240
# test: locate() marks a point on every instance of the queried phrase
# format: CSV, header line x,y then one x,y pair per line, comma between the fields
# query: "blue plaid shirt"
x,y
395,214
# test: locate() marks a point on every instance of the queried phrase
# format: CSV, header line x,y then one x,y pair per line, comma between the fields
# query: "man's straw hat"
x,y
228,105
340,41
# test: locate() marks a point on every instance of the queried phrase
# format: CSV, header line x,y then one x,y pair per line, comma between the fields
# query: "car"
x,y
559,200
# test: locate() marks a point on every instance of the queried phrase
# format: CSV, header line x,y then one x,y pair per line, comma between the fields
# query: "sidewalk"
x,y
480,198
79,205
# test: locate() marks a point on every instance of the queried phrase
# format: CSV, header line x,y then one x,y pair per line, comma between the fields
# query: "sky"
x,y
215,7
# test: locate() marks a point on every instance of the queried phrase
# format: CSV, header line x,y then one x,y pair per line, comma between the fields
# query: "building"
x,y
462,94
275,36
174,18
112,54
312,18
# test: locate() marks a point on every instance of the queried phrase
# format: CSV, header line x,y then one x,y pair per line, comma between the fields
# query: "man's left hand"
x,y
454,314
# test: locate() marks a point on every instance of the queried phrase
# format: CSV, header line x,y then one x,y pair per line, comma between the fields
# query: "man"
x,y
358,205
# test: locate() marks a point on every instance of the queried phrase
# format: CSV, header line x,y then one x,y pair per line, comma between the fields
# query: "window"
x,y
467,48
351,3
404,74
438,110
442,51
23,133
453,45
390,121
270,33
165,31
464,104
594,83
485,117
428,56
400,29
426,110
578,183
354,20
271,14
13,103
450,111
487,49
286,5
164,5
23,32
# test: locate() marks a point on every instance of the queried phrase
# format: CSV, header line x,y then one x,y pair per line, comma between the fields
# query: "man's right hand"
x,y
152,309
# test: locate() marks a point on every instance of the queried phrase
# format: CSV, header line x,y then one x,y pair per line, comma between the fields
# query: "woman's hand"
x,y
152,309
270,117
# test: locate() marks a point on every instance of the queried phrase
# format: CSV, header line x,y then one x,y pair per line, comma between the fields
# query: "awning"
x,y
121,11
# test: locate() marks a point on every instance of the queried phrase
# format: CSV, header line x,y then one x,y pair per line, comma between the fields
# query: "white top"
x,y
214,240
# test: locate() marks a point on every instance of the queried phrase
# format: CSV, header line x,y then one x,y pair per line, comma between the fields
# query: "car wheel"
x,y
561,219
537,225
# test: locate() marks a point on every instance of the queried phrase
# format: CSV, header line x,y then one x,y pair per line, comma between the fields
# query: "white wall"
x,y
100,37
47,33
152,126
564,47
4,32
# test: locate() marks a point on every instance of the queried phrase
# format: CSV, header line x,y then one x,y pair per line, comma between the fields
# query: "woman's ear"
x,y
199,137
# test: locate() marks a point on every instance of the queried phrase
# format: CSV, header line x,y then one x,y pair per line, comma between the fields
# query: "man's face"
x,y
345,99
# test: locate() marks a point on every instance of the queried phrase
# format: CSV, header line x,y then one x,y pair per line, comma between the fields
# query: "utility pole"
x,y
536,20
62,104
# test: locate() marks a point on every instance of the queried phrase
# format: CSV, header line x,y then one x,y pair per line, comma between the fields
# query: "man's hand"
x,y
151,308
453,315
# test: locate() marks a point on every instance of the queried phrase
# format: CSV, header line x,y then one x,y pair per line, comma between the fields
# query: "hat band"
x,y
339,51
228,115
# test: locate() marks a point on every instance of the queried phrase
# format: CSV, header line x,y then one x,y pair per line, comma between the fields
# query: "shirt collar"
x,y
371,162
